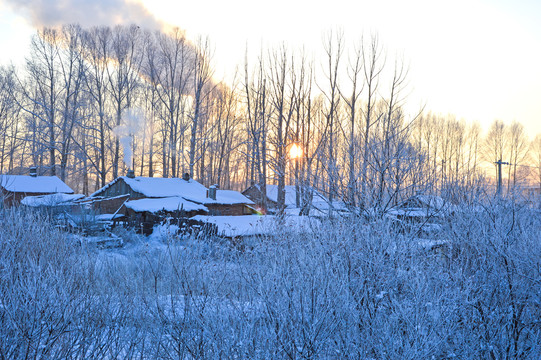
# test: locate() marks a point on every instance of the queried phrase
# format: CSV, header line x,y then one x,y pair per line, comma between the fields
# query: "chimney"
x,y
33,171
130,174
212,192
186,177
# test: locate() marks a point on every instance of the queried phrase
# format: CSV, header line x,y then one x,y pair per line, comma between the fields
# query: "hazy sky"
x,y
477,59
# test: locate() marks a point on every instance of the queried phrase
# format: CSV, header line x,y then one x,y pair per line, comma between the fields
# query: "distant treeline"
x,y
90,103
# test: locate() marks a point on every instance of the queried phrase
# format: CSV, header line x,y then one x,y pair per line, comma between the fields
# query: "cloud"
x,y
52,13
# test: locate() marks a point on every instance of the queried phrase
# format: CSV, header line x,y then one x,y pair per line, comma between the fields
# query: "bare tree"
x,y
536,150
202,77
373,65
282,83
171,72
72,71
96,49
9,118
495,143
518,144
41,101
334,48
123,70
255,93
354,75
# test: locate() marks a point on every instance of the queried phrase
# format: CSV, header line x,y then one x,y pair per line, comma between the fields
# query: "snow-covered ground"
x,y
250,225
315,294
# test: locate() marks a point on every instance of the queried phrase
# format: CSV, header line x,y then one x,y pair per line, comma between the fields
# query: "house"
x,y
318,204
151,187
14,188
148,200
183,193
153,199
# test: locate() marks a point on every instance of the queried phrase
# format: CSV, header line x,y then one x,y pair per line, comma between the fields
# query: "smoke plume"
x,y
134,121
53,13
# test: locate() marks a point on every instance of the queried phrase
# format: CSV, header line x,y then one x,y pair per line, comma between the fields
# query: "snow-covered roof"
x,y
249,225
272,194
319,201
166,203
51,199
223,197
34,184
155,187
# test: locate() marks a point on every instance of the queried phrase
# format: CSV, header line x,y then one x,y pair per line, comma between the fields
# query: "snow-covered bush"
x,y
344,290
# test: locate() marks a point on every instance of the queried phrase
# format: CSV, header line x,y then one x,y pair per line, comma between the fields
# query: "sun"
x,y
295,151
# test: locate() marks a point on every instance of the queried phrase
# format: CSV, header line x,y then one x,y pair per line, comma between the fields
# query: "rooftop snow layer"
x,y
161,187
34,184
223,197
166,203
51,199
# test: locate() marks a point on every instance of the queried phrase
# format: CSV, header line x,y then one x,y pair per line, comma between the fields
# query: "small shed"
x,y
14,188
145,213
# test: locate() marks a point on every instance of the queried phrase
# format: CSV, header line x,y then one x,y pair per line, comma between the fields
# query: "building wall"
x,y
227,210
109,205
14,199
120,188
145,221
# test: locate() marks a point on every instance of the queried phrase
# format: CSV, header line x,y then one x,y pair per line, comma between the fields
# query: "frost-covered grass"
x,y
352,290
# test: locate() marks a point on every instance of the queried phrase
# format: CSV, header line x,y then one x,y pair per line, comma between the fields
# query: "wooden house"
x,y
14,188
151,200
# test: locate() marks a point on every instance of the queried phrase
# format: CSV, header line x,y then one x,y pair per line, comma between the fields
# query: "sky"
x,y
477,59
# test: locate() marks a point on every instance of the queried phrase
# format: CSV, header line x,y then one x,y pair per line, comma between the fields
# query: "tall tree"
x,y
202,77
518,144
123,70
96,49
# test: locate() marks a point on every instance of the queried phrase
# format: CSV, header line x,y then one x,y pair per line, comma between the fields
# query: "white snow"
x,y
163,232
166,203
223,197
34,184
319,201
161,187
108,217
173,194
414,212
51,199
248,225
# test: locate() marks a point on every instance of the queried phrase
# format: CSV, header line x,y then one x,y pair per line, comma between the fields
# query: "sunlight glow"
x,y
295,152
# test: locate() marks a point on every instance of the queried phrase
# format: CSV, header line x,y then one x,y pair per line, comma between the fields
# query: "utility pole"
x,y
500,163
